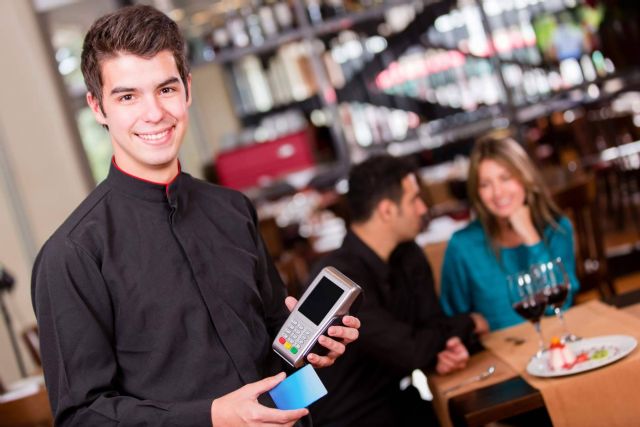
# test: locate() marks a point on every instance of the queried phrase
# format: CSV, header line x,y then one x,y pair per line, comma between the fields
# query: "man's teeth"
x,y
153,136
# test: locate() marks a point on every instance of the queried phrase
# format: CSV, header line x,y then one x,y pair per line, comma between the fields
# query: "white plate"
x,y
617,347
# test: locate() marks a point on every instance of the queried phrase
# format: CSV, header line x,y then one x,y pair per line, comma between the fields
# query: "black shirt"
x,y
153,300
403,328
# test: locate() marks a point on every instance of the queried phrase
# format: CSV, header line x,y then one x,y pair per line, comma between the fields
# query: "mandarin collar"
x,y
141,188
377,264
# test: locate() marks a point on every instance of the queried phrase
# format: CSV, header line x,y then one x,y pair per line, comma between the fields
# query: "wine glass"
x,y
553,278
529,301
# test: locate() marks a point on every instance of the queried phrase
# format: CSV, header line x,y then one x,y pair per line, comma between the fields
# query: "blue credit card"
x,y
299,389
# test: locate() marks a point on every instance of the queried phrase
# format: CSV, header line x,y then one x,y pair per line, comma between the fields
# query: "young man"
x,y
156,300
404,327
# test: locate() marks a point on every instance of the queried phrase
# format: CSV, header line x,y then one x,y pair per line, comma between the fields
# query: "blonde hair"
x,y
509,154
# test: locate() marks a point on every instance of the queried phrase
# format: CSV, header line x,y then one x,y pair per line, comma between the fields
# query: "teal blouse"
x,y
473,280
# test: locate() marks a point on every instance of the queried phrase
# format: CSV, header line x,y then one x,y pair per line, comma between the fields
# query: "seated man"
x,y
403,325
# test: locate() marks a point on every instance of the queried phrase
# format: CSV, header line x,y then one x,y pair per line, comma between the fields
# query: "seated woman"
x,y
517,225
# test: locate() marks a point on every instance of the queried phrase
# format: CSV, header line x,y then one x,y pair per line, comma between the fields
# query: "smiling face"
x,y
145,106
499,190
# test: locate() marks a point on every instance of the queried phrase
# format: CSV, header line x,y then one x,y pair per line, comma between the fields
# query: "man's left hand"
x,y
336,342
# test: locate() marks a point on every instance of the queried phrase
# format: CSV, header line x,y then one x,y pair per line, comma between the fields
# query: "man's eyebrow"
x,y
169,81
121,89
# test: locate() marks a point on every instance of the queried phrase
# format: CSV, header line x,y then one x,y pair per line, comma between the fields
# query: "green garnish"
x,y
600,354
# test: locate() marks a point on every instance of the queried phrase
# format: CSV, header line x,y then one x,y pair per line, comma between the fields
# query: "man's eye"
x,y
167,90
127,97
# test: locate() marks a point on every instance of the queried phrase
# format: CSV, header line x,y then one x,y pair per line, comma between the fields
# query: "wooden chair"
x,y
32,342
578,201
29,411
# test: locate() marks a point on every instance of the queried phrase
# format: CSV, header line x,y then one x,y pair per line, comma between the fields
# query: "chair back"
x,y
32,342
28,411
578,201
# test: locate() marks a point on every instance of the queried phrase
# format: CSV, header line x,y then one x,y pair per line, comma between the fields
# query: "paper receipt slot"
x,y
328,298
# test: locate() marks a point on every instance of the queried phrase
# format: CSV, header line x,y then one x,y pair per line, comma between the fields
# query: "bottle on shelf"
x,y
220,38
314,11
252,23
237,29
257,83
283,13
267,19
367,125
332,8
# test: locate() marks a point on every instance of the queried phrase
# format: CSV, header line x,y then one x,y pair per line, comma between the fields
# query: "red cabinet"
x,y
260,163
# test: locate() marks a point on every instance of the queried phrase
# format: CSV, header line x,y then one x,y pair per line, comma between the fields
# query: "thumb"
x,y
264,385
453,342
290,302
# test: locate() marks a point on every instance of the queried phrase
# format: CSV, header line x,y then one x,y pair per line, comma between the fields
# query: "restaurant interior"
x,y
288,94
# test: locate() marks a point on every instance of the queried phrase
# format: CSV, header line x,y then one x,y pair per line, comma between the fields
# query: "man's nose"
x,y
154,110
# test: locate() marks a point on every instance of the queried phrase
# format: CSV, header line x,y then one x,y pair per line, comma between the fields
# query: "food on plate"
x,y
560,355
601,353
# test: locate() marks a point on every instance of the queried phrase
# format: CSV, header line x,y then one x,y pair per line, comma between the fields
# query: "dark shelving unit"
x,y
443,124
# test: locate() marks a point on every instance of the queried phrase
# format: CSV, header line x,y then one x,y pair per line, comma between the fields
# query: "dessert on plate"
x,y
560,355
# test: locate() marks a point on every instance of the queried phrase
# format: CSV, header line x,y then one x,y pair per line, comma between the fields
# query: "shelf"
x,y
350,20
306,105
319,176
329,26
432,141
399,42
575,96
271,44
445,125
495,116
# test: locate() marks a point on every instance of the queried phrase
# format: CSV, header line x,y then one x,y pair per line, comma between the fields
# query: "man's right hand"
x,y
241,407
453,358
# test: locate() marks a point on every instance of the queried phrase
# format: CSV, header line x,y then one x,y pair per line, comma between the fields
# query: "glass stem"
x,y
560,316
540,340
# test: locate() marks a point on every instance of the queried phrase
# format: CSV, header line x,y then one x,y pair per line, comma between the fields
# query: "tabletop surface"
x,y
503,397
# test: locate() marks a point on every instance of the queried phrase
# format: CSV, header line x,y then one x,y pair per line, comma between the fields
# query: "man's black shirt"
x,y
403,328
153,300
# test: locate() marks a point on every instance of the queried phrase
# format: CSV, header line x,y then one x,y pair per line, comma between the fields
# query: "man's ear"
x,y
94,104
386,209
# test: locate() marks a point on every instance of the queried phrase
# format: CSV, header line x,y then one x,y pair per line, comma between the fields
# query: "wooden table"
x,y
513,396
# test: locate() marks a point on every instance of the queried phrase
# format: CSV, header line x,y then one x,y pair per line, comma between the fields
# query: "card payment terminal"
x,y
327,299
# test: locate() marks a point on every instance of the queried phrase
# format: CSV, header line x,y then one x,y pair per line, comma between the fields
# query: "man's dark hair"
x,y
377,178
138,30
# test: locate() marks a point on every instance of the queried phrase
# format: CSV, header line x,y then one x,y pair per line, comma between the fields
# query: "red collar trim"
x,y
165,184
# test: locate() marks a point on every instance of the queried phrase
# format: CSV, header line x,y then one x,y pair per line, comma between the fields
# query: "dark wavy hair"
x,y
138,30
377,178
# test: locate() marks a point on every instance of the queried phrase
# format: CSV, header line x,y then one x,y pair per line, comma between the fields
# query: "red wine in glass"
x,y
556,295
531,308
529,301
553,277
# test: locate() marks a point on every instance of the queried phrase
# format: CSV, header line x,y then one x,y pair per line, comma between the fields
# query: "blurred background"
x,y
289,93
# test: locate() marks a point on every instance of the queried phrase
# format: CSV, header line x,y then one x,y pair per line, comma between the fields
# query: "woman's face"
x,y
499,190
